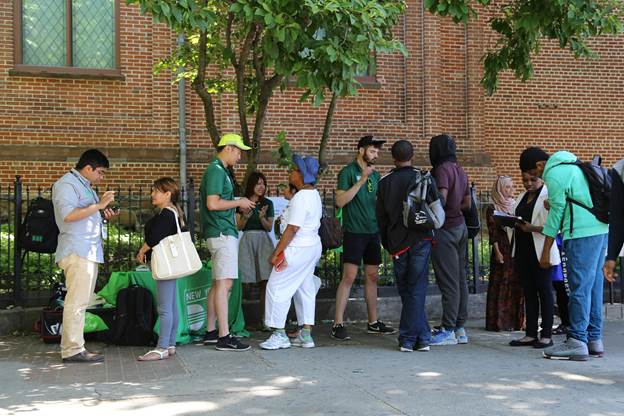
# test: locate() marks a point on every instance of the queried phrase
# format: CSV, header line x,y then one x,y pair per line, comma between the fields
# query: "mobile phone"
x,y
116,209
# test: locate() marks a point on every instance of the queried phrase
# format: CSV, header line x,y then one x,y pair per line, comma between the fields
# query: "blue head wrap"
x,y
308,166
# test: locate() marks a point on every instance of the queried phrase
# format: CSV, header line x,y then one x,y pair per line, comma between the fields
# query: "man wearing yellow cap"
x,y
217,215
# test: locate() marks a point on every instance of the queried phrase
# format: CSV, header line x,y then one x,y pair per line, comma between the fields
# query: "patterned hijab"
x,y
502,201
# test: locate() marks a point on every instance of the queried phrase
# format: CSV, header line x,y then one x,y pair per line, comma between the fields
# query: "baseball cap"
x,y
232,139
369,140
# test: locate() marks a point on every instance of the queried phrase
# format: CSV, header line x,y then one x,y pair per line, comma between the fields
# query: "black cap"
x,y
366,141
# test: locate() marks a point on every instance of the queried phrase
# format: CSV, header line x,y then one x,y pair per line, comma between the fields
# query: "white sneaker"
x,y
276,341
461,335
303,341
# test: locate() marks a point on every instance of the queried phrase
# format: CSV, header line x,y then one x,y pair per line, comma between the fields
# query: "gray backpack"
x,y
422,208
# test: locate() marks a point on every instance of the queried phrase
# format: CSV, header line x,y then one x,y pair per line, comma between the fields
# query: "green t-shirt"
x,y
216,181
253,223
359,214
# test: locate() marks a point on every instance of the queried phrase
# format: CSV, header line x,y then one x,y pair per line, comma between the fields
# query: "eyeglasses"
x,y
369,185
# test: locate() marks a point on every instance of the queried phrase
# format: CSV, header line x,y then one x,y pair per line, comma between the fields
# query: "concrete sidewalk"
x,y
365,376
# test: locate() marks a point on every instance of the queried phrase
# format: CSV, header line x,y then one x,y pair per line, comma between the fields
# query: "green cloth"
x,y
359,214
94,323
216,181
568,181
192,292
253,223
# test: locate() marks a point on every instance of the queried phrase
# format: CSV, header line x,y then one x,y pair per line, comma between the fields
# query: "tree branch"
x,y
241,93
199,85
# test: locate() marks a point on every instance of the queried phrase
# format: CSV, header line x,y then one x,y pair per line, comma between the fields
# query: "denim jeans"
x,y
585,260
168,312
411,270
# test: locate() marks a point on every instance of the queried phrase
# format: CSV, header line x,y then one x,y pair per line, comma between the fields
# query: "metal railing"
x,y
26,279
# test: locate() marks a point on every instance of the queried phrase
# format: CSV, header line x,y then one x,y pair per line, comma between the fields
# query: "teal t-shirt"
x,y
359,214
253,223
217,181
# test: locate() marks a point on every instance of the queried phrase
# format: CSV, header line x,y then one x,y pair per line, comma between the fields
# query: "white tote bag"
x,y
175,256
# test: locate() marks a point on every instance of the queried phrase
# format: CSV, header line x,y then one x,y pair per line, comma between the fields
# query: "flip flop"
x,y
158,355
171,350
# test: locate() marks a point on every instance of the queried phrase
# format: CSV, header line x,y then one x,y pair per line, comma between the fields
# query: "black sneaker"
x,y
560,330
422,347
230,343
211,337
339,332
380,328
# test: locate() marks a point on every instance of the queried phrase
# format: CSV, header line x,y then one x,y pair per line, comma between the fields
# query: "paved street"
x,y
365,376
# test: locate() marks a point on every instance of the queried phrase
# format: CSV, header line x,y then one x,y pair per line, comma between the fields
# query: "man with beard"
x,y
357,194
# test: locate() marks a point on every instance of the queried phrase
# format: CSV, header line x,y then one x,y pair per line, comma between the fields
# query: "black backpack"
x,y
422,207
134,318
471,217
39,232
599,180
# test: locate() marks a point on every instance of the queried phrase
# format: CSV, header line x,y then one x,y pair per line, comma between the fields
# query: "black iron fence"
x,y
26,278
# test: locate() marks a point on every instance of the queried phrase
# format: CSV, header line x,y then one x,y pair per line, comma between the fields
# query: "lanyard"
x,y
88,188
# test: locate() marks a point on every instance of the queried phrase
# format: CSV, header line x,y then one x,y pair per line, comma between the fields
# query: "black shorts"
x,y
361,247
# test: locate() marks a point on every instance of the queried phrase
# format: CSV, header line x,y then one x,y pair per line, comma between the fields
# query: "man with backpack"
x,y
410,248
574,211
80,215
356,194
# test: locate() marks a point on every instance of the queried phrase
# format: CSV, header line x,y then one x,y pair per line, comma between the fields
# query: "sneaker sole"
x,y
370,331
339,339
444,343
567,358
403,349
596,354
209,342
462,342
232,349
277,348
424,349
304,345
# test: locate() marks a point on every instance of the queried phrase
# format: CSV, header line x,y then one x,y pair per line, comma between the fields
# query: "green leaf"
x,y
166,11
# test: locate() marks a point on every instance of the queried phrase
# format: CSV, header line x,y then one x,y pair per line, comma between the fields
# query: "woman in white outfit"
x,y
294,260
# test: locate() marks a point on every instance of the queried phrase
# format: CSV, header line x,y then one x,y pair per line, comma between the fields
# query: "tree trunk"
x,y
199,85
329,118
266,92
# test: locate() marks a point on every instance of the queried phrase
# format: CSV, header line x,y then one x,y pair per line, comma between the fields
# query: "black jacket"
x,y
616,216
390,197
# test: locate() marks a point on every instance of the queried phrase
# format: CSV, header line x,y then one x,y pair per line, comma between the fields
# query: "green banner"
x,y
192,292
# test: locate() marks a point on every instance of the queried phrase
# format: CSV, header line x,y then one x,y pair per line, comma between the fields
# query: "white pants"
x,y
297,281
80,278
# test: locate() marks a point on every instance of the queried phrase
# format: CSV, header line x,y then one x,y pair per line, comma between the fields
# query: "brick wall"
x,y
45,123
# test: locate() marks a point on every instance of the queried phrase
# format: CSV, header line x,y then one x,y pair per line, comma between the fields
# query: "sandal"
x,y
156,355
171,350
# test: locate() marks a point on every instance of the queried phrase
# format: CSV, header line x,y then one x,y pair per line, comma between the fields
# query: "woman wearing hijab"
x,y
505,302
294,260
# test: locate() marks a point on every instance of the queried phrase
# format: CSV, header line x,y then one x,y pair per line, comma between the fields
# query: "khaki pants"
x,y
80,278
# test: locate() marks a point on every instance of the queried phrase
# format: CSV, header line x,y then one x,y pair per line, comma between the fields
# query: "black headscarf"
x,y
442,149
